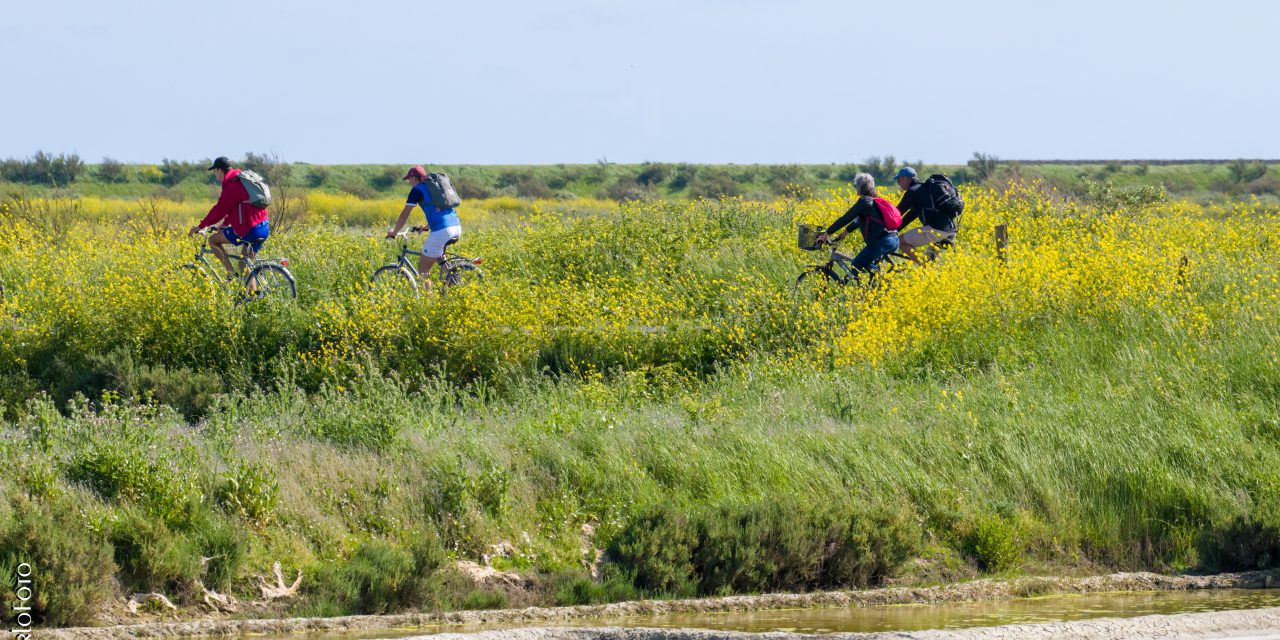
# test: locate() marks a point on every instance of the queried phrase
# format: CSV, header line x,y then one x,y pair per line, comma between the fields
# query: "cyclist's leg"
x,y
424,270
867,260
908,241
941,240
921,236
433,251
218,244
249,250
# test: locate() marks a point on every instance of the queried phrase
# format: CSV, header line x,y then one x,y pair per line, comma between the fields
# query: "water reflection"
x,y
915,617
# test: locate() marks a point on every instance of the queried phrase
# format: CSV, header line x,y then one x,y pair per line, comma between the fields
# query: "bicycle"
x,y
403,274
261,277
820,279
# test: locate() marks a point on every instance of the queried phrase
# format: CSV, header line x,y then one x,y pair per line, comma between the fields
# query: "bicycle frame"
x,y
204,250
244,263
446,259
845,264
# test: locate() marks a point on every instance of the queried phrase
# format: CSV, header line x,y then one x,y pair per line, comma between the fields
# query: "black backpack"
x,y
943,196
443,195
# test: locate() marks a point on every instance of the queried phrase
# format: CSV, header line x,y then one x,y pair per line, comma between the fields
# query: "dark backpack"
x,y
943,197
443,195
259,194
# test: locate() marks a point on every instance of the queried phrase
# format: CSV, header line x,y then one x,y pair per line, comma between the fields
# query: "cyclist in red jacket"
x,y
243,224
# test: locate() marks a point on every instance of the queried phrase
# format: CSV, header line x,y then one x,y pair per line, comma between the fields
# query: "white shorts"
x,y
921,236
434,246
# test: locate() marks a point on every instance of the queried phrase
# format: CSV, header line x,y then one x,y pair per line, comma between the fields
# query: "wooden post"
x,y
1002,242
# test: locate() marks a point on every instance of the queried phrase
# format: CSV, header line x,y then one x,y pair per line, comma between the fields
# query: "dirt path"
x,y
978,590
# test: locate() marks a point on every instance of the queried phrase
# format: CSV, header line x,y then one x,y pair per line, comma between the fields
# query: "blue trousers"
x,y
867,258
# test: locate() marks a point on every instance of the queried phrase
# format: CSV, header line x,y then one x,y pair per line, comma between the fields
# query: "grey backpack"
x,y
443,195
256,186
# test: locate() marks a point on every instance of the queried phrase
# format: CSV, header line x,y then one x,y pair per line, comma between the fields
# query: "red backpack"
x,y
889,213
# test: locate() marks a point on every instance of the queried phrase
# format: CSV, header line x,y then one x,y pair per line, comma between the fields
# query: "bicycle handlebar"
x,y
405,233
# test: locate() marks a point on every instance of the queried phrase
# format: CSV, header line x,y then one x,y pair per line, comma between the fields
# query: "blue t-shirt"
x,y
437,219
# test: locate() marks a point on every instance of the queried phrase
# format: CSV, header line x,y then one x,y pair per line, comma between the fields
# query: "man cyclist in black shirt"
x,y
935,226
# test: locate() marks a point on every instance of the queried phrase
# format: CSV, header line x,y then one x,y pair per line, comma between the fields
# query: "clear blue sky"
x,y
745,81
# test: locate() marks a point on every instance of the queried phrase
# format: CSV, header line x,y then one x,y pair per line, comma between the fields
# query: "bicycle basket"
x,y
807,238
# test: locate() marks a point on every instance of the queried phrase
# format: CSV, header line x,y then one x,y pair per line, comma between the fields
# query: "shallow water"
x,y
909,617
917,617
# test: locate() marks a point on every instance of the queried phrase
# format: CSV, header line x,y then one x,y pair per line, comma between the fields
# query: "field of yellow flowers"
x,y
594,291
1103,392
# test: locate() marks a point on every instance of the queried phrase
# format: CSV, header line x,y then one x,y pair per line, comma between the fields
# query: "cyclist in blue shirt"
x,y
442,223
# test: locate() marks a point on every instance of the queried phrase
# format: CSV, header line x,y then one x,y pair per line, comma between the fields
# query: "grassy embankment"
x,y
189,181
1106,397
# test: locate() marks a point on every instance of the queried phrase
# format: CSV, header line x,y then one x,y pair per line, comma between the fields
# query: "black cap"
x,y
220,162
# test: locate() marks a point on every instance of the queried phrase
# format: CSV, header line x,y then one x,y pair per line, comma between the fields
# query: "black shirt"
x,y
863,214
916,203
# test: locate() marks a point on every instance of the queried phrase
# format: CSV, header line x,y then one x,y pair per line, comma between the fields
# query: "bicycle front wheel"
x,y
271,281
815,283
394,279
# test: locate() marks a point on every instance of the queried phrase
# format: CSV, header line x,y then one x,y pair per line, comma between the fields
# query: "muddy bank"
x,y
1257,625
965,592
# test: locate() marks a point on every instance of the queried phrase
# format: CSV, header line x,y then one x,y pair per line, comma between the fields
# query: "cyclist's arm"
x,y
221,209
850,217
909,209
404,217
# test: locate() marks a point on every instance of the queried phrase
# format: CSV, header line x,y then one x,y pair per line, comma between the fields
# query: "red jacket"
x,y
232,208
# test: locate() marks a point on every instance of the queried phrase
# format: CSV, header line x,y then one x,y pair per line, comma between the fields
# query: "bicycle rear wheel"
x,y
462,272
394,279
271,281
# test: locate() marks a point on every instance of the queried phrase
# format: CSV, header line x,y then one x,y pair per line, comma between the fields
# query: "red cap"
x,y
416,171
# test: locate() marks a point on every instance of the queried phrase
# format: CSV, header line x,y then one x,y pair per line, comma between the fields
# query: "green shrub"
x,y
16,388
1107,197
625,188
151,557
385,178
1243,171
174,171
993,543
713,183
782,544
1266,184
656,547
370,414
575,587
124,471
358,189
734,552
317,175
250,491
112,171
683,175
866,546
380,578
71,564
653,174
525,182
1247,542
470,188
479,600
225,547
189,392
43,169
